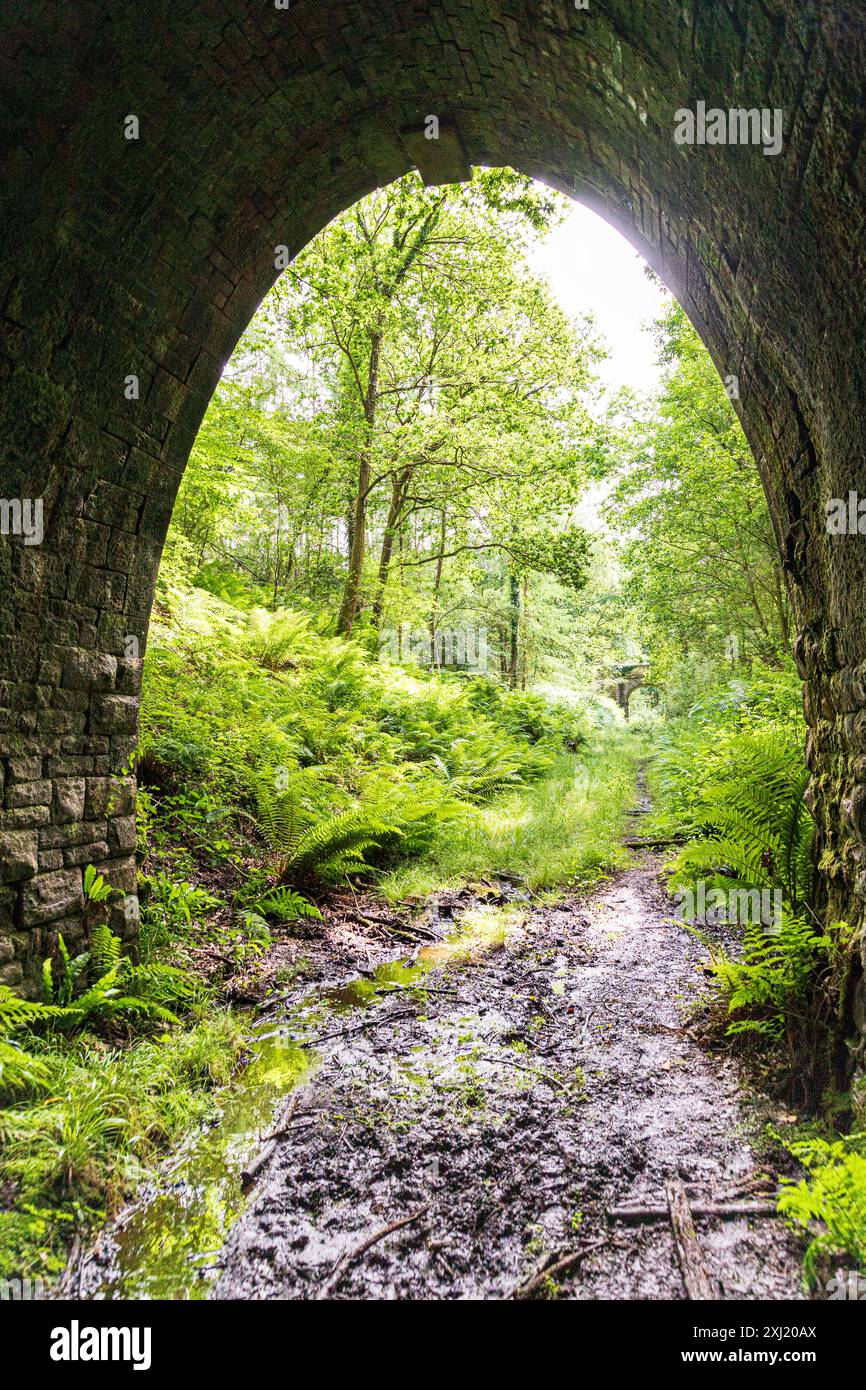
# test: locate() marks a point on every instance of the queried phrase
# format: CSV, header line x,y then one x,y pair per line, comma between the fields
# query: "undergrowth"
x,y
731,779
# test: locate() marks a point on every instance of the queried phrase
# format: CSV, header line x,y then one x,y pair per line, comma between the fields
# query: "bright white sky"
x,y
594,269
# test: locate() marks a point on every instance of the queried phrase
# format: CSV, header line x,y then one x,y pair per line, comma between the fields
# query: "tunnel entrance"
x,y
144,220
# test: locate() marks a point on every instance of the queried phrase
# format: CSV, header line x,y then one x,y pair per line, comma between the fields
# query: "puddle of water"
x,y
362,992
480,929
169,1246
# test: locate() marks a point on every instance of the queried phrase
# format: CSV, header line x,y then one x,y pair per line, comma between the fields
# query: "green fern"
x,y
833,1196
105,949
333,847
96,890
119,988
757,829
59,987
286,905
109,999
305,848
18,1069
281,817
769,990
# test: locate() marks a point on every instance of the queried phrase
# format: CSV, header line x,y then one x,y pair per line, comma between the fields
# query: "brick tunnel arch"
x,y
136,252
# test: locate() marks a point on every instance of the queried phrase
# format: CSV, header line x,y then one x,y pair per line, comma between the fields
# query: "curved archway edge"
x,y
146,258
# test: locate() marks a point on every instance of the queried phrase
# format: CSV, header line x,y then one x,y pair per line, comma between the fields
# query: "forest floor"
x,y
466,1114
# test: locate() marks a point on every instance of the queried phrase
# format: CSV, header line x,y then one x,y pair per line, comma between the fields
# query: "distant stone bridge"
x,y
627,679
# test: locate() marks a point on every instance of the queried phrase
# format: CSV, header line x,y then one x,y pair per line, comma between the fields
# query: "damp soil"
x,y
490,1093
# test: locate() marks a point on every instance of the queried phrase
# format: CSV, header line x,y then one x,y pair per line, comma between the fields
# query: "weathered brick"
x,y
88,670
18,855
28,794
48,897
84,854
120,873
78,833
25,817
68,799
24,769
110,796
121,832
116,714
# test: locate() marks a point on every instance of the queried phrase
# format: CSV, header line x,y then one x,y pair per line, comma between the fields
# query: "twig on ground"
x,y
362,1027
350,1256
726,1209
551,1266
428,989
533,1071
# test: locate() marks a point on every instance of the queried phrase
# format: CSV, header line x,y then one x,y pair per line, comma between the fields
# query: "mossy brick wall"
x,y
147,257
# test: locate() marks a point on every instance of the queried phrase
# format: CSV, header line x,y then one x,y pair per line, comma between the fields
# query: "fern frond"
x,y
286,905
19,1071
105,949
280,818
324,849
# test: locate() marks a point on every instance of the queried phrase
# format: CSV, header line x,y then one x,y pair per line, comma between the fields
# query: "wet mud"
x,y
466,1115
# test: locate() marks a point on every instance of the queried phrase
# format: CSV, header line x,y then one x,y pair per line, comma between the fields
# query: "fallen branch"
x,y
394,925
533,1071
250,1174
231,961
362,1027
727,1209
552,1266
699,1285
652,841
428,989
350,1256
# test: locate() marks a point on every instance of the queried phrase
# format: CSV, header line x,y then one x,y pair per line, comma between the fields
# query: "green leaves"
x,y
832,1197
757,827
286,905
690,510
564,554
19,1070
96,890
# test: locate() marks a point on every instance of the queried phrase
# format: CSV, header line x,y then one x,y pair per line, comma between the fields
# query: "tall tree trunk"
x,y
514,629
352,591
437,587
525,643
395,508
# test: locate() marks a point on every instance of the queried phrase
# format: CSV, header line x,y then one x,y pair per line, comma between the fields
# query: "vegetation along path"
x,y
481,1107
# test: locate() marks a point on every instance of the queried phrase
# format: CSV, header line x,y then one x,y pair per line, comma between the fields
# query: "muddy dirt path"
x,y
533,1085
464,1116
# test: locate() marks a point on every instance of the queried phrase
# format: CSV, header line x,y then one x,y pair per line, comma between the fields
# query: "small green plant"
x,y
756,830
286,905
248,937
779,993
168,909
102,985
770,989
60,978
96,890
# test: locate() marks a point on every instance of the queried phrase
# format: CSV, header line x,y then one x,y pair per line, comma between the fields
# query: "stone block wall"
x,y
68,800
